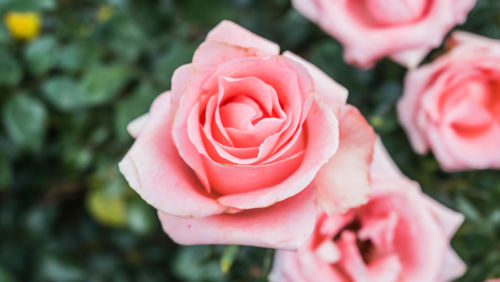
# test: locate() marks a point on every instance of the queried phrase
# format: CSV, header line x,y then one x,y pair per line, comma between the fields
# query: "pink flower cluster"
x,y
256,147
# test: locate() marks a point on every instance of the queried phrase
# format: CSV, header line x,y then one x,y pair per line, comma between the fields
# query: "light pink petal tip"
x,y
382,166
453,267
285,225
233,34
344,182
135,127
308,8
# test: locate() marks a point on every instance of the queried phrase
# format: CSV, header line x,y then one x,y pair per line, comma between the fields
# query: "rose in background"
x,y
399,235
452,105
246,145
404,30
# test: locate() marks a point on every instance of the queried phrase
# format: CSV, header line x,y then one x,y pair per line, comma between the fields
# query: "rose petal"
x,y
352,262
184,99
322,129
382,166
448,219
302,266
135,127
453,267
344,182
155,171
285,225
308,8
385,269
231,33
379,230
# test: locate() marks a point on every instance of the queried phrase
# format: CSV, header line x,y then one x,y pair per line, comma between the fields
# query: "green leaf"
x,y
180,53
57,268
28,5
6,174
126,32
77,55
25,119
228,256
193,264
107,208
141,218
41,55
101,83
10,71
132,107
4,34
64,93
6,275
207,12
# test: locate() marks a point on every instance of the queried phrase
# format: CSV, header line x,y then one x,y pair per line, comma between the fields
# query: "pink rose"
x,y
399,235
452,105
404,30
247,144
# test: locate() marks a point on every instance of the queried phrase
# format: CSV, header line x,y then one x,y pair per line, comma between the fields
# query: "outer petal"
x,y
448,219
343,182
135,127
233,34
285,225
308,8
382,166
154,169
453,267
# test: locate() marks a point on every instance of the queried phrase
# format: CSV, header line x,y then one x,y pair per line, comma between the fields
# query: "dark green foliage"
x,y
66,97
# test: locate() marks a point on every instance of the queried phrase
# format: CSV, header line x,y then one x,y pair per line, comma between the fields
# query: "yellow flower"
x,y
23,25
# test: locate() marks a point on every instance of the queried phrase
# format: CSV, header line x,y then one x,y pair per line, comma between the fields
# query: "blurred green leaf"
x,y
10,71
6,276
141,218
42,54
228,256
25,119
64,93
193,264
127,33
178,54
132,107
5,173
28,5
107,208
101,83
207,12
58,268
4,34
75,56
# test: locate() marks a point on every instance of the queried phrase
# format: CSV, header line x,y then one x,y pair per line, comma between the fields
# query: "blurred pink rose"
x,y
399,235
247,144
452,105
404,30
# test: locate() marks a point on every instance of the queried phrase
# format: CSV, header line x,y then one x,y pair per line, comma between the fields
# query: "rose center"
x,y
473,106
390,12
365,247
241,112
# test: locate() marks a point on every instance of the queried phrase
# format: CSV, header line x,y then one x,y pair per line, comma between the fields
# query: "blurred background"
x,y
73,73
